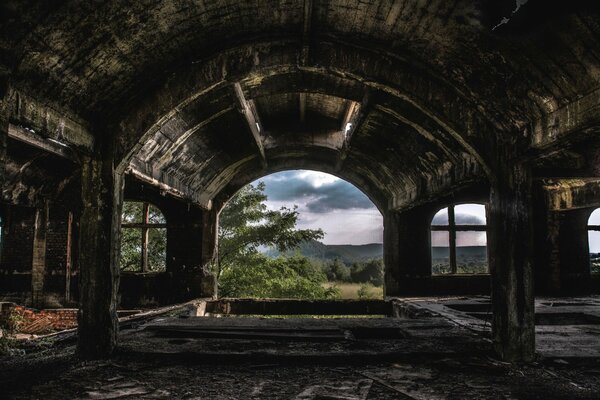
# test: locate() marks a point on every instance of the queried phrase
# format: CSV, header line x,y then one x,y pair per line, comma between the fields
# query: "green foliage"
x,y
368,272
337,271
245,224
131,239
10,325
260,276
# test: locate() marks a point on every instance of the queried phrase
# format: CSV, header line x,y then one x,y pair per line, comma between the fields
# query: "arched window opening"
x,y
594,241
300,234
144,238
459,240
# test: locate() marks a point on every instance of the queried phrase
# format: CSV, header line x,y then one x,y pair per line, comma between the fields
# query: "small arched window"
x,y
459,240
594,241
144,238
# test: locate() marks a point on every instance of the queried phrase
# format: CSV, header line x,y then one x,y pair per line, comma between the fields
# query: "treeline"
x,y
358,272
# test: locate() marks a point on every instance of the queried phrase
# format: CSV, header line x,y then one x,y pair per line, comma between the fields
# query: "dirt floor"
x,y
182,357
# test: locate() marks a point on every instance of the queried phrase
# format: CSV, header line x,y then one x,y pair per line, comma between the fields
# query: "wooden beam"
x,y
53,146
248,108
353,118
579,117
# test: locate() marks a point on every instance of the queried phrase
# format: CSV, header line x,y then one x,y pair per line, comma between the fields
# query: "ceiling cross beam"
x,y
302,104
306,31
248,109
353,119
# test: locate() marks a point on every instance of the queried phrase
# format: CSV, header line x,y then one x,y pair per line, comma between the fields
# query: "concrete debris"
x,y
337,391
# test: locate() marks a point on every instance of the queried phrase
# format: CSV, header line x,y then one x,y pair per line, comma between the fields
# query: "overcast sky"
x,y
324,201
347,216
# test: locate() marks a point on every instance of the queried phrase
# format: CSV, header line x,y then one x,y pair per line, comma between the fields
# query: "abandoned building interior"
x,y
425,106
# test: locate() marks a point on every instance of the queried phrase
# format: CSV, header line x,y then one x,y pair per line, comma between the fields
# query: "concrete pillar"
x,y
407,249
38,259
102,194
184,251
562,265
510,244
210,237
3,137
391,254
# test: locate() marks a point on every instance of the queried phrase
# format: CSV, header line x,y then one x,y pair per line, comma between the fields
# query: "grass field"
x,y
350,290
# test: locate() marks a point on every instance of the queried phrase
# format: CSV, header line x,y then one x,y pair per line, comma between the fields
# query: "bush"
x,y
260,276
367,291
369,272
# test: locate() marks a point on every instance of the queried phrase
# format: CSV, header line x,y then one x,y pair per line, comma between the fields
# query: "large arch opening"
x,y
300,234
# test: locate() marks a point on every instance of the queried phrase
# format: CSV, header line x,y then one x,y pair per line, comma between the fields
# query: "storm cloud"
x,y
318,194
345,214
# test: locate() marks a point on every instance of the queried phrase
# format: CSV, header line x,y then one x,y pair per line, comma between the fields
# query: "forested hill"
x,y
347,253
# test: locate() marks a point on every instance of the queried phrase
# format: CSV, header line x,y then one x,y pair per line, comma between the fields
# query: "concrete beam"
x,y
172,191
306,31
47,122
581,116
353,118
32,138
571,193
248,108
302,105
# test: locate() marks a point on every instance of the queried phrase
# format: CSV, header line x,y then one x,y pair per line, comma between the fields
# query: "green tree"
x,y
370,271
282,277
131,239
337,271
246,225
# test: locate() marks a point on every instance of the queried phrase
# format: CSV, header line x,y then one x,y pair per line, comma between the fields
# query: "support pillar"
x,y
184,251
510,246
407,250
3,136
562,264
38,259
102,196
210,237
391,254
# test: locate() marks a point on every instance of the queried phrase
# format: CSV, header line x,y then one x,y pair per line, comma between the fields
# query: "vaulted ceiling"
x,y
404,98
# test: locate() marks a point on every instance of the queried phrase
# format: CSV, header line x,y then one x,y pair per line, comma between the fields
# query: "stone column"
x,y
510,246
407,250
3,136
391,254
562,263
38,259
99,239
184,251
210,237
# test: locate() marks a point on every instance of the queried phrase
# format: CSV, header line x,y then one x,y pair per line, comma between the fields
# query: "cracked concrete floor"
x,y
179,357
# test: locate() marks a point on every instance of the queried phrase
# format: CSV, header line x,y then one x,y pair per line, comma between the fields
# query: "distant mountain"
x,y
347,253
461,252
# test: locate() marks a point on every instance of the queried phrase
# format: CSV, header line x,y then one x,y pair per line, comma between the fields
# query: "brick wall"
x,y
17,240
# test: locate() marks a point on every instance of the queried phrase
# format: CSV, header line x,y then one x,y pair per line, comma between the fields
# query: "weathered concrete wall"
x,y
562,263
407,250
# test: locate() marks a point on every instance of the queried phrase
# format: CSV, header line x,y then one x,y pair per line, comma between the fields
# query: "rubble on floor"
x,y
434,354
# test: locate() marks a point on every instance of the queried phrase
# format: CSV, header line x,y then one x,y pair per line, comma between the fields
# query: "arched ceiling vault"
x,y
403,98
